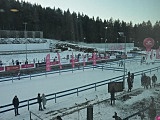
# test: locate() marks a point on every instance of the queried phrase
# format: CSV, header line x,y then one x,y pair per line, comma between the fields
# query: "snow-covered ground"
x,y
27,88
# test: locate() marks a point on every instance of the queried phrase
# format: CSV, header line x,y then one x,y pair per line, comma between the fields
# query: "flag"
x,y
94,58
84,63
59,60
73,61
48,67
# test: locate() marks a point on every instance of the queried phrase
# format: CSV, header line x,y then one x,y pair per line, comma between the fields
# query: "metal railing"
x,y
30,116
137,113
32,101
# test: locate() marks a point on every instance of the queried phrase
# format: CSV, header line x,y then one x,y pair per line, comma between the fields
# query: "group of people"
x,y
40,99
147,81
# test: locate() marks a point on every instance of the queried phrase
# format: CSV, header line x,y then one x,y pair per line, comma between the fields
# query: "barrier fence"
x,y
55,96
30,76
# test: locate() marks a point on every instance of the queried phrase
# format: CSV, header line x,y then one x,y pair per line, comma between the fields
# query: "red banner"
x,y
54,63
48,67
1,69
94,58
84,63
73,62
27,66
59,60
9,68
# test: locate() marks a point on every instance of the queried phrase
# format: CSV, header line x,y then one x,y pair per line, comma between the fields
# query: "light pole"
x,y
105,39
157,44
25,35
133,43
124,57
117,40
101,43
105,46
84,39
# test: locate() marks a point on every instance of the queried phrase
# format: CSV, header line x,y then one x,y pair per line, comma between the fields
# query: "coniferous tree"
x,y
63,25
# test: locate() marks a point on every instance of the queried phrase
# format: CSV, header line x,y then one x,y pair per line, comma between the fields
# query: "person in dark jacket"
x,y
58,118
112,96
116,117
39,100
132,77
129,83
154,79
152,109
15,103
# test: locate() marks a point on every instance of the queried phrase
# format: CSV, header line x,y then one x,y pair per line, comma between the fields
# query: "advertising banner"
x,y
48,67
9,68
73,62
158,53
148,43
84,63
1,69
27,66
54,63
94,58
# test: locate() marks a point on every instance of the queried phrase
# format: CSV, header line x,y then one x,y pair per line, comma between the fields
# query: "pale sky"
x,y
136,11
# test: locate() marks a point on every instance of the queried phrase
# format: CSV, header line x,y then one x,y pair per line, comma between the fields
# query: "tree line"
x,y
74,27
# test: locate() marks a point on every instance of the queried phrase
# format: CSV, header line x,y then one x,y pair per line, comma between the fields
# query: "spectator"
x,y
59,118
44,100
154,79
152,109
116,117
1,63
129,83
26,62
18,75
15,103
12,61
113,96
132,77
39,100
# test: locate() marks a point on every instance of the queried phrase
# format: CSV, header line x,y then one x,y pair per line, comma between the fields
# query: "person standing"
x,y
113,96
15,103
18,75
154,79
129,84
152,109
132,77
44,100
58,118
39,100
